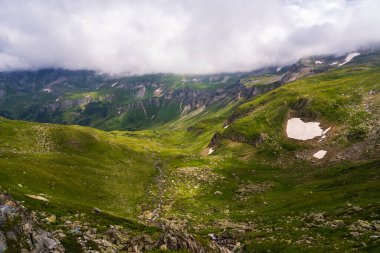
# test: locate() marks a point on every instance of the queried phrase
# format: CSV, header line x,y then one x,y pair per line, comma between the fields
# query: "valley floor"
x,y
162,190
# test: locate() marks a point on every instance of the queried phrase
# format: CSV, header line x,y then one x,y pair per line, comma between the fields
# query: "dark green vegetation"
x,y
258,187
109,103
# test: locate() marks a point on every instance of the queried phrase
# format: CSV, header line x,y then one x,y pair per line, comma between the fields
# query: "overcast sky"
x,y
178,36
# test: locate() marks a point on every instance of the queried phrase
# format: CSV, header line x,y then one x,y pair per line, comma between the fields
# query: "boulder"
x,y
175,237
30,237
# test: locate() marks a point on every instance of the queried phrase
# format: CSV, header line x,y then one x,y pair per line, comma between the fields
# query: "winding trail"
x,y
159,181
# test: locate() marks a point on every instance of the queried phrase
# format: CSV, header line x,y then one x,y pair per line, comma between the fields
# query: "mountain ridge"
x,y
222,177
136,102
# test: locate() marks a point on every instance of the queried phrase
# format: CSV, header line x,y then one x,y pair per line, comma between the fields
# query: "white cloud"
x,y
197,36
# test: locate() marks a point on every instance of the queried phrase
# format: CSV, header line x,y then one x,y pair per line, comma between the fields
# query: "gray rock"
x,y
76,231
3,245
45,242
355,234
176,237
338,223
31,238
364,224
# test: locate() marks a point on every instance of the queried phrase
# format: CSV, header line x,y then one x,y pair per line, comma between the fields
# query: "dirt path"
x,y
159,181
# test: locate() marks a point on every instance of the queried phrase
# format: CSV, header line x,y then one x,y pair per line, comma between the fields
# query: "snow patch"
x,y
158,92
334,63
299,130
48,90
325,132
318,62
37,197
321,139
278,68
113,85
320,154
225,127
212,236
349,58
210,151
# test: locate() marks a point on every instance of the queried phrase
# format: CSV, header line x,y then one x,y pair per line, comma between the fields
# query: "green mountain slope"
x,y
347,100
74,166
257,174
106,102
225,173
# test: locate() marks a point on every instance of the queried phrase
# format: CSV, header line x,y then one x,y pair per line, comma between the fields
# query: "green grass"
x,y
259,80
273,184
336,98
68,163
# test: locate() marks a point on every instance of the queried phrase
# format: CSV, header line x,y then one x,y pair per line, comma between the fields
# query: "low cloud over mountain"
x,y
197,36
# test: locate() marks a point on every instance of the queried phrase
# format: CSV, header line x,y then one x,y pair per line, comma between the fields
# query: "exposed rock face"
x,y
3,243
215,140
175,237
139,244
53,93
255,141
19,232
69,103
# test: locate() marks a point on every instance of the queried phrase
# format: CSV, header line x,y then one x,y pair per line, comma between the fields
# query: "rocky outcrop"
x,y
215,140
19,231
175,237
254,140
69,103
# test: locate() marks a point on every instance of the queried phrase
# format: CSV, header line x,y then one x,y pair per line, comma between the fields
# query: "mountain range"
x,y
279,159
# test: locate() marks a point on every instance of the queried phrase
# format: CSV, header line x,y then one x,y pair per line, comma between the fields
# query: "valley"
x,y
169,163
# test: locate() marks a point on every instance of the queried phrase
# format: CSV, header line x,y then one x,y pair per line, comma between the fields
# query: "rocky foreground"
x,y
20,230
24,231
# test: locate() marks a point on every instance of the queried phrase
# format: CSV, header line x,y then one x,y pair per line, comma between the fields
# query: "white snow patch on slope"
x,y
349,58
212,236
299,130
318,62
158,92
37,197
321,139
325,132
210,151
320,154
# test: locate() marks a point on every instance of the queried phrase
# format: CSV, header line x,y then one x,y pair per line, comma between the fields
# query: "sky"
x,y
178,36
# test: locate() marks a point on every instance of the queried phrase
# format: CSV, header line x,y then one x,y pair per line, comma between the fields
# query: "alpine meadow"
x,y
189,126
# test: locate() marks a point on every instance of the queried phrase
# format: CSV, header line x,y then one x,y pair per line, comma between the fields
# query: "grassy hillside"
x,y
74,166
347,100
257,188
272,194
